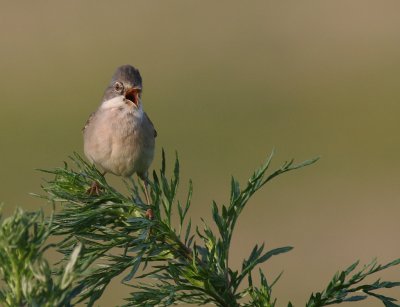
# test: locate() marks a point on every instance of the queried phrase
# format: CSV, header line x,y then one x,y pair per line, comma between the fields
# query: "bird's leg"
x,y
149,212
146,192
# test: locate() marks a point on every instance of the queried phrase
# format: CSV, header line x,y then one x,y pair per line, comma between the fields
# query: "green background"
x,y
224,83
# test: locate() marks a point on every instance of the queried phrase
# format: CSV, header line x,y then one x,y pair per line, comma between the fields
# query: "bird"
x,y
119,137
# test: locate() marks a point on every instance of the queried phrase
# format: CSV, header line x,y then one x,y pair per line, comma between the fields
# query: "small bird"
x,y
119,136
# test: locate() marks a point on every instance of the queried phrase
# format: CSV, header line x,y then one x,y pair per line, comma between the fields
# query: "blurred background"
x,y
224,84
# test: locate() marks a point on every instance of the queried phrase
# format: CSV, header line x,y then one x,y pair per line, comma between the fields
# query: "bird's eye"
x,y
118,87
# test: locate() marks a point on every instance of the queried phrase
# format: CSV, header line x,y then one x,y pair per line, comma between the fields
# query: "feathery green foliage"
x,y
27,276
346,288
109,235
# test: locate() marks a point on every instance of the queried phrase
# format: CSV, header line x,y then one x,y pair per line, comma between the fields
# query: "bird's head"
x,y
125,89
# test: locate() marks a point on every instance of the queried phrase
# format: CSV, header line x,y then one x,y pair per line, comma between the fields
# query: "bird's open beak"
x,y
132,94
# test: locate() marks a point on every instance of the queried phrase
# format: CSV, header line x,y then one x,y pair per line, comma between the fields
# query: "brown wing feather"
x,y
155,131
88,121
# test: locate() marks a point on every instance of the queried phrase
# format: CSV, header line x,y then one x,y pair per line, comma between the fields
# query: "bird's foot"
x,y
95,189
150,214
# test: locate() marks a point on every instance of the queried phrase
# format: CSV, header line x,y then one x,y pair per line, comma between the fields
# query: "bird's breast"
x,y
120,143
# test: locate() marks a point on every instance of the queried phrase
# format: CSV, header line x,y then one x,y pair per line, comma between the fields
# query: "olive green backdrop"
x,y
224,83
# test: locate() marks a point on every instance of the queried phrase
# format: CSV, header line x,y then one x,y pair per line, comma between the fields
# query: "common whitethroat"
x,y
119,137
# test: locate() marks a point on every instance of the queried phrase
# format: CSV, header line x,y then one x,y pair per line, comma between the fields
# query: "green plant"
x,y
27,276
104,236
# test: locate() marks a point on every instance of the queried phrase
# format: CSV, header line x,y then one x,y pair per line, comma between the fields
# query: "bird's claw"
x,y
150,214
95,189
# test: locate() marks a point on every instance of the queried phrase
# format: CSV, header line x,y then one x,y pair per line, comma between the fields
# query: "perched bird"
x,y
119,137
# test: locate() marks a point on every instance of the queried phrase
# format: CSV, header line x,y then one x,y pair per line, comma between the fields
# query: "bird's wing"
x,y
155,131
88,121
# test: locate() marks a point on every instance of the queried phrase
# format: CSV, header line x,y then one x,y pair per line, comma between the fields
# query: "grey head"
x,y
126,81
